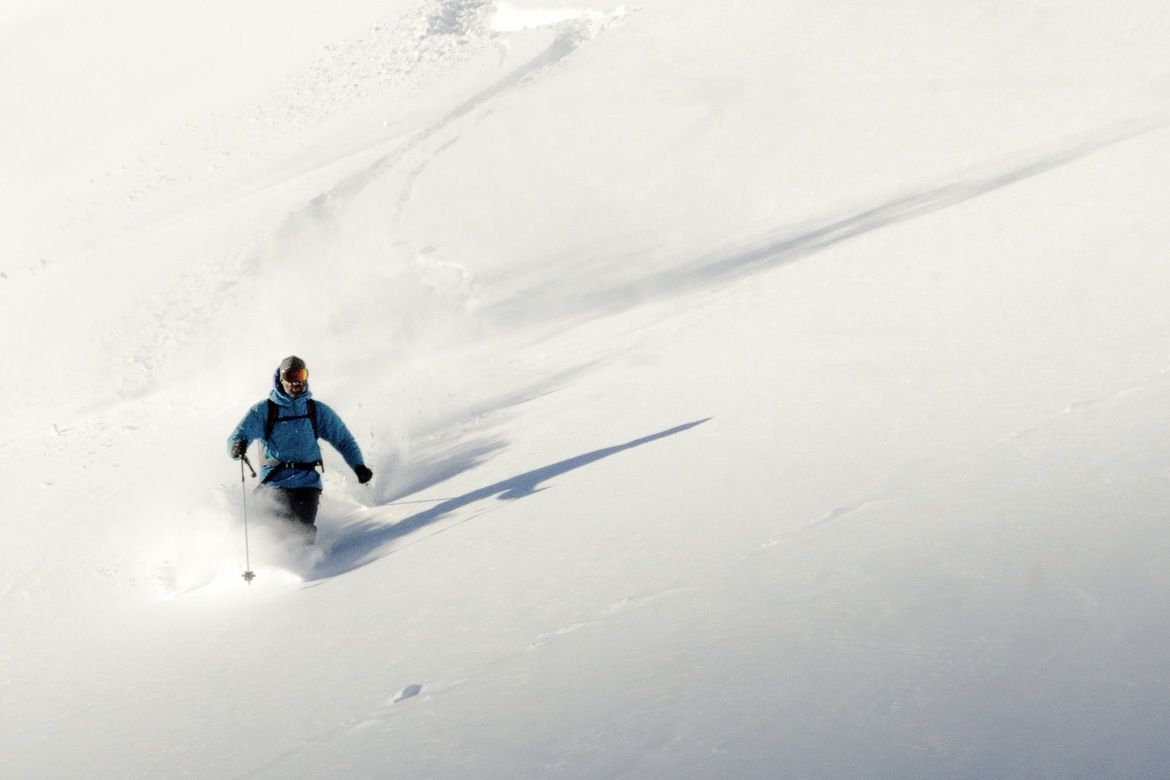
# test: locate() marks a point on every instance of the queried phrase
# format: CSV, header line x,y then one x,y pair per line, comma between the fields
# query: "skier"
x,y
290,422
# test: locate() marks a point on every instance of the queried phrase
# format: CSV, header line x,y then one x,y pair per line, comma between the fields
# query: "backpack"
x,y
274,417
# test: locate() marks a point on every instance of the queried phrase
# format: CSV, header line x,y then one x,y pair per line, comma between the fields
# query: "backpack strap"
x,y
270,423
291,465
274,417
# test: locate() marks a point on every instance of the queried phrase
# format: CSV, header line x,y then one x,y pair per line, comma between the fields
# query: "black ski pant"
x,y
299,505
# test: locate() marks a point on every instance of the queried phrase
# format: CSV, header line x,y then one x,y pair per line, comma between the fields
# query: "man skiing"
x,y
290,422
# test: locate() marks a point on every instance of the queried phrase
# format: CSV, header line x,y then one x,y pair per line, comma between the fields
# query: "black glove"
x,y
239,447
364,475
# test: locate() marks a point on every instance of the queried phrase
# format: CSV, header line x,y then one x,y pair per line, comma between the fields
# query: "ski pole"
x,y
248,575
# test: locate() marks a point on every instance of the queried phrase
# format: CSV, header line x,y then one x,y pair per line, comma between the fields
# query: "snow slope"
x,y
754,389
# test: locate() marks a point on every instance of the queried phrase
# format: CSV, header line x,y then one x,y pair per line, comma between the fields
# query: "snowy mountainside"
x,y
759,389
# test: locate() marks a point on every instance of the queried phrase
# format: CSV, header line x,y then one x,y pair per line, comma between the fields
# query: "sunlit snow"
x,y
759,389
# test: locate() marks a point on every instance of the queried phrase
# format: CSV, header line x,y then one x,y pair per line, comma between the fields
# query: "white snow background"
x,y
754,389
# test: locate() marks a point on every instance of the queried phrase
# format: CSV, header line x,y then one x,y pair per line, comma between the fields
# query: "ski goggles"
x,y
295,375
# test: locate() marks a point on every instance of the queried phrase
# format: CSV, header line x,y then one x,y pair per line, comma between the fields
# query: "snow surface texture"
x,y
753,389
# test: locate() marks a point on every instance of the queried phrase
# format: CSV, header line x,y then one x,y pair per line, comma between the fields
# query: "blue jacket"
x,y
293,441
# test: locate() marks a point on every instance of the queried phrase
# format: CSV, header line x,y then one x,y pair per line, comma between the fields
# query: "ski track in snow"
x,y
405,52
1086,406
574,28
630,602
375,718
788,245
435,37
569,37
840,512
831,516
378,717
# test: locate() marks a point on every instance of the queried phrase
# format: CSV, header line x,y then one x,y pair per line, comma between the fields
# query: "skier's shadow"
x,y
365,542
